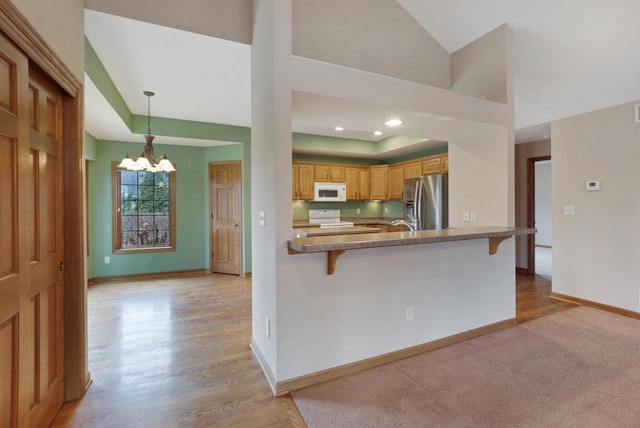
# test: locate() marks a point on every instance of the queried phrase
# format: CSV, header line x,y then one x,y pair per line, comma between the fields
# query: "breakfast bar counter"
x,y
336,245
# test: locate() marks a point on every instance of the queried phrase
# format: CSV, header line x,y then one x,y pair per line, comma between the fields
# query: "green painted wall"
x,y
192,209
334,144
393,209
190,236
428,152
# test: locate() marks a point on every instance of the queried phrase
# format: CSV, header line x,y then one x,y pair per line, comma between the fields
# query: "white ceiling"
x,y
571,57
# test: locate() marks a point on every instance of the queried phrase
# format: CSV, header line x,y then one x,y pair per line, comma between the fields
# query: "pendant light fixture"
x,y
147,160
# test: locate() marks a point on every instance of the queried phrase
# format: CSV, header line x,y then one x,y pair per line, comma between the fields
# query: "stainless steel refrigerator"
x,y
427,200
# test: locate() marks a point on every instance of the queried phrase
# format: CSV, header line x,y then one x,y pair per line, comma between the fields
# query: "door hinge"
x,y
61,266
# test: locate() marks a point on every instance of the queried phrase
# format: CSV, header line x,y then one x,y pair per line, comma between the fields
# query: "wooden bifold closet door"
x,y
31,243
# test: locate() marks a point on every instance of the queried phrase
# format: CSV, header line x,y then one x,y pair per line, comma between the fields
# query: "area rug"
x,y
577,368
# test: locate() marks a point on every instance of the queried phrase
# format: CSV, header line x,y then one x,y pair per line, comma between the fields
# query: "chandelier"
x,y
147,160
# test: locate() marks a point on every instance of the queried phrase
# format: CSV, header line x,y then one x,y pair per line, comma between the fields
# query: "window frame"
x,y
116,221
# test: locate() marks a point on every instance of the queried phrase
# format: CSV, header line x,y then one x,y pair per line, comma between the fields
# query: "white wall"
x,y
359,312
543,203
374,35
229,20
479,171
271,172
480,69
321,321
596,251
61,24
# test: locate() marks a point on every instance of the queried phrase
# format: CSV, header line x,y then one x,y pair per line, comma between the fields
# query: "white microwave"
x,y
329,192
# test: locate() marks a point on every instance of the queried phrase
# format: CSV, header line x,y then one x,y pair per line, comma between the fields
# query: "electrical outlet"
x,y
465,215
569,210
386,210
472,216
357,210
410,313
267,326
107,260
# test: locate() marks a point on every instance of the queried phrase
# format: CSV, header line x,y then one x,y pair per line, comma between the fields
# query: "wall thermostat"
x,y
593,185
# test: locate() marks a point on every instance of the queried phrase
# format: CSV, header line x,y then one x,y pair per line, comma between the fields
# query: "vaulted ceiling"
x,y
570,57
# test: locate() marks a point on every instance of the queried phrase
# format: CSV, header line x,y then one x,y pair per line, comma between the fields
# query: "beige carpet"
x,y
577,368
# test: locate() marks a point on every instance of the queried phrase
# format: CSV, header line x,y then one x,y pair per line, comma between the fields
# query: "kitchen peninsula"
x,y
335,245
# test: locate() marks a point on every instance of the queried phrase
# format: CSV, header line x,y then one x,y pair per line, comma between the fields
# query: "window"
x,y
144,211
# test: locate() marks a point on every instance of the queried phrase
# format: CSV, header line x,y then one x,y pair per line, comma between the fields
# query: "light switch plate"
x,y
569,210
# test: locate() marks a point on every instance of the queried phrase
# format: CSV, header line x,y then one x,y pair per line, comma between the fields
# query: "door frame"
x,y
17,29
211,212
531,211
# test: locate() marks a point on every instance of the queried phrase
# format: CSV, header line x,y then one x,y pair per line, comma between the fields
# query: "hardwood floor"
x,y
175,352
532,298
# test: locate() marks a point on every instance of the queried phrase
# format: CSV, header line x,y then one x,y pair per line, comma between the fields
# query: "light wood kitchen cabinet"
x,y
330,173
302,181
431,166
379,182
396,180
413,170
435,165
358,183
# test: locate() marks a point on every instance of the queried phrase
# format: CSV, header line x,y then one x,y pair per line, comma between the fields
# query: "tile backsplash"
x,y
350,209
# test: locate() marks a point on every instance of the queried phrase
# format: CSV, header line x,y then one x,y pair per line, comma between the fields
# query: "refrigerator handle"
x,y
417,205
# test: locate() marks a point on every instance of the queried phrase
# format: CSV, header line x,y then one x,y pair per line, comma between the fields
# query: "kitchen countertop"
x,y
355,220
391,239
328,231
335,245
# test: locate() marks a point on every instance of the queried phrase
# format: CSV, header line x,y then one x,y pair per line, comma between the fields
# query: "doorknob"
x,y
235,225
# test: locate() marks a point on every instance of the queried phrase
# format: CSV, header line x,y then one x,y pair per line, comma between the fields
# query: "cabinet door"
x,y
413,170
323,173
379,182
396,179
431,166
364,177
306,181
295,181
352,179
337,174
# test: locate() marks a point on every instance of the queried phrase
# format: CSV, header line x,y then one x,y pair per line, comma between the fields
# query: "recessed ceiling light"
x,y
377,133
339,128
393,122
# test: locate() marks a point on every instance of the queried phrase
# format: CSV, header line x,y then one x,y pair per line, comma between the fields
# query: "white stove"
x,y
328,218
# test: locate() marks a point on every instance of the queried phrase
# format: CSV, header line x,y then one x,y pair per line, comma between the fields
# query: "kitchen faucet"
x,y
411,226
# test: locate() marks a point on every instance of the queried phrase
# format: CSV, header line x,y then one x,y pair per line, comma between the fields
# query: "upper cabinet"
x,y
377,182
358,183
413,170
302,181
435,165
396,179
380,182
431,166
330,173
